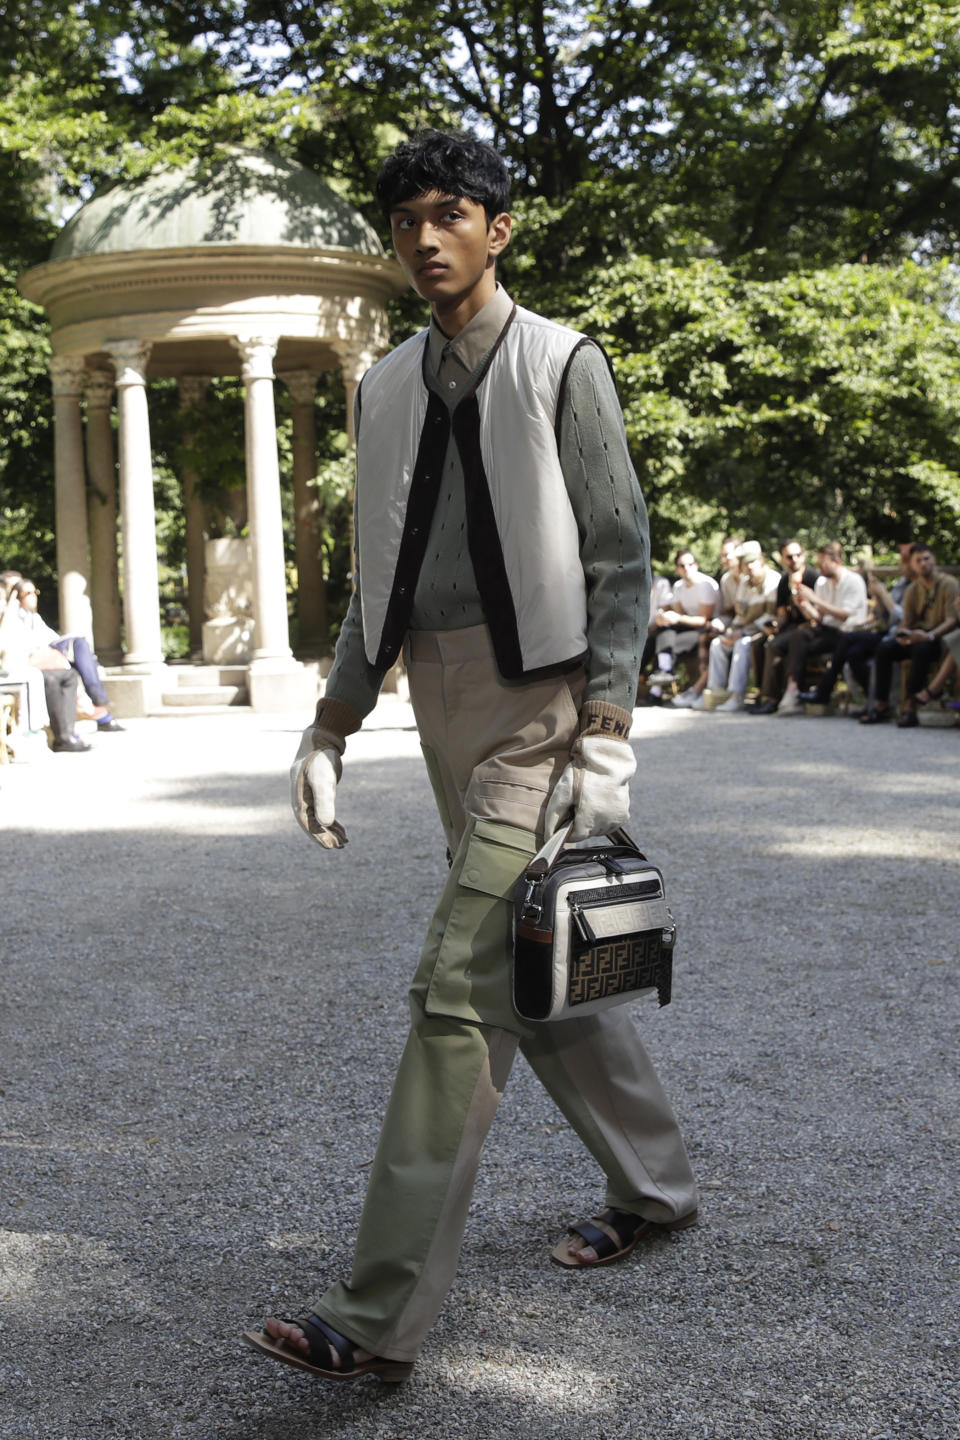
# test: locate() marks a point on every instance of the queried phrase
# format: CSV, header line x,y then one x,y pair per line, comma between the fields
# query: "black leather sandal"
x,y
613,1235
325,1343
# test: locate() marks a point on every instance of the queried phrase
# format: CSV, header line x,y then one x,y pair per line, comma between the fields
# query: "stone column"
x,y
311,591
143,651
355,360
102,515
67,373
192,389
271,648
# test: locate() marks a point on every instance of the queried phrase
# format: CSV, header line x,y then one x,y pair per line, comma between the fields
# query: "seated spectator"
x,y
837,602
789,617
75,649
929,613
681,622
728,665
728,578
949,669
50,682
857,648
25,681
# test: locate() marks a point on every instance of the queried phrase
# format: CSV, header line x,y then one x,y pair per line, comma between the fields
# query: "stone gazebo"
x,y
252,266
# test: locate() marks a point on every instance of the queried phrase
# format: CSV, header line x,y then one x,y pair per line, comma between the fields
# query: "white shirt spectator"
x,y
847,592
690,598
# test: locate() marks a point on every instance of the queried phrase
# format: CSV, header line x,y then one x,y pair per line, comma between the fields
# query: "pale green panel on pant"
x,y
444,1077
464,969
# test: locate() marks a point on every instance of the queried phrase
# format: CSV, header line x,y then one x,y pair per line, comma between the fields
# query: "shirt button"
x,y
452,385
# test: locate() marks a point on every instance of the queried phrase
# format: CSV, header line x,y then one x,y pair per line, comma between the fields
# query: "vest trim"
x,y
422,501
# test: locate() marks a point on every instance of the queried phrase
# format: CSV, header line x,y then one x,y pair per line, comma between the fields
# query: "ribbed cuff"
x,y
333,722
599,718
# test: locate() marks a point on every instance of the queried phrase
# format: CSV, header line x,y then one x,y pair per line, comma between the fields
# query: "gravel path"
x,y
200,1018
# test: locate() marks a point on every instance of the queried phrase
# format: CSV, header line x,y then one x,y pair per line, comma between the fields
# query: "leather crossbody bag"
x,y
592,928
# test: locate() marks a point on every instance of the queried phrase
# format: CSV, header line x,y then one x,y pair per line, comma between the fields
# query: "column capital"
x,y
67,373
257,352
302,385
130,361
355,358
191,389
98,390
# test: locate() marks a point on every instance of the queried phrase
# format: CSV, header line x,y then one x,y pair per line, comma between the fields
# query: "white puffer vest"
x,y
521,530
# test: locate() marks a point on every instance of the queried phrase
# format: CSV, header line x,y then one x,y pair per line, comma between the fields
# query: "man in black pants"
x,y
60,692
928,614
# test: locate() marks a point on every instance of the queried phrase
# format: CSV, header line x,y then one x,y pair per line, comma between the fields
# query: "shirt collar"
x,y
476,339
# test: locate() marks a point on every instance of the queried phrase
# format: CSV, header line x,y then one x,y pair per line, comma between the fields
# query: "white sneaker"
x,y
698,704
661,677
730,706
685,700
789,706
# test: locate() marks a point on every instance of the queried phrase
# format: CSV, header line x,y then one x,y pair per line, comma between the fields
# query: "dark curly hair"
x,y
452,163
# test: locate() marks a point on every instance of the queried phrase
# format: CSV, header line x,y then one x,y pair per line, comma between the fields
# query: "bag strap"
x,y
551,850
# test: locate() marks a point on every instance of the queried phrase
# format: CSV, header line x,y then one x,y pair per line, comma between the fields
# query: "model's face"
x,y
754,568
728,557
687,567
828,566
447,250
924,565
27,596
793,559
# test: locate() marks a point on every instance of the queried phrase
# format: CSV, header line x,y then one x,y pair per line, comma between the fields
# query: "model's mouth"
x,y
432,267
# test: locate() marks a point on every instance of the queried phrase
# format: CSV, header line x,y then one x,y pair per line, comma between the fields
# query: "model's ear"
x,y
498,235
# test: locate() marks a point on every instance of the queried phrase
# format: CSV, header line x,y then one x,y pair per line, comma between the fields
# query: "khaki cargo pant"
x,y
494,751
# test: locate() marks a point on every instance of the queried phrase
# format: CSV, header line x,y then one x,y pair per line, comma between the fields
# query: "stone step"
x,y
192,712
206,676
195,695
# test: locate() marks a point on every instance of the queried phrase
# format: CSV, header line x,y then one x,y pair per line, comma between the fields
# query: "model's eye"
x,y
453,215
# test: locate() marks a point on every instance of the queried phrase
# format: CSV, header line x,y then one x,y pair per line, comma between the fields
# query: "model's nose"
x,y
427,239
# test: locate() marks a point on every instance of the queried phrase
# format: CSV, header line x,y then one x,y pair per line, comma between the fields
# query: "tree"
x,y
824,401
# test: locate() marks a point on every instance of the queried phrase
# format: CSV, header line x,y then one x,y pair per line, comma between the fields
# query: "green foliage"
x,y
26,462
826,401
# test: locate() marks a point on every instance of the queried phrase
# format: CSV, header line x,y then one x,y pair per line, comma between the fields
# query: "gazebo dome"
x,y
248,198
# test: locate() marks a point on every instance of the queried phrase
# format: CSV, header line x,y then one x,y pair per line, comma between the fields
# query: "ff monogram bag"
x,y
591,929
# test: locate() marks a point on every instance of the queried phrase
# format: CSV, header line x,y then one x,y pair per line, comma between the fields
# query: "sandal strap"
x,y
327,1343
624,1223
610,1232
599,1240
